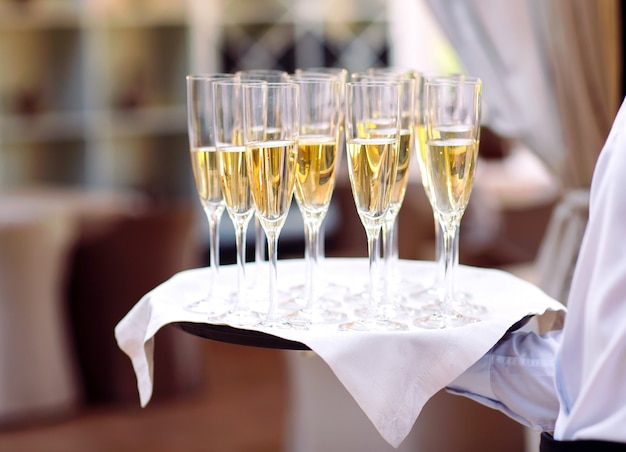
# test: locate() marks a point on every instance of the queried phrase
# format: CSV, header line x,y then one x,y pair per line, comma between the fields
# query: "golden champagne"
x,y
235,182
422,151
204,163
405,145
237,137
315,173
451,164
372,168
271,169
420,134
440,132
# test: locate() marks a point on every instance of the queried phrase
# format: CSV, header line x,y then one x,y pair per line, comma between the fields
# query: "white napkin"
x,y
391,375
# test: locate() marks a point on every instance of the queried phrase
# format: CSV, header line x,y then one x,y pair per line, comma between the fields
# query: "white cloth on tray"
x,y
391,375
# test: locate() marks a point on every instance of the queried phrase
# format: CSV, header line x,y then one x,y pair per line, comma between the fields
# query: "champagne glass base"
x,y
427,294
213,308
242,317
373,324
290,304
330,297
470,309
336,292
386,310
305,318
441,321
462,304
280,323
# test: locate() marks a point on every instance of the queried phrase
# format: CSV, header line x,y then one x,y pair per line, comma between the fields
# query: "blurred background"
x,y
98,205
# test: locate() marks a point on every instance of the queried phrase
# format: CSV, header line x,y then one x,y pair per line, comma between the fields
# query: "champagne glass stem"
x,y
439,255
450,232
272,247
321,245
395,256
455,263
311,259
240,243
373,246
214,245
388,240
259,242
320,250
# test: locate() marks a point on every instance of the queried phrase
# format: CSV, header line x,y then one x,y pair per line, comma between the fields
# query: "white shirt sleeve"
x,y
517,377
573,381
591,364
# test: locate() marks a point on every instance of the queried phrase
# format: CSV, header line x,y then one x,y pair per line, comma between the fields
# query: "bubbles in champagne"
x,y
315,175
372,167
204,163
450,165
235,182
271,169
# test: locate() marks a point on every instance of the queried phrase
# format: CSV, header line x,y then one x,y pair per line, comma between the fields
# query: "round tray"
x,y
226,333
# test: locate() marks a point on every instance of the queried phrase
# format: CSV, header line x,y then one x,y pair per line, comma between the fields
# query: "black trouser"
x,y
549,444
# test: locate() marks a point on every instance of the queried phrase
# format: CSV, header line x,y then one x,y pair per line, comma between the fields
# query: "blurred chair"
x,y
37,377
110,272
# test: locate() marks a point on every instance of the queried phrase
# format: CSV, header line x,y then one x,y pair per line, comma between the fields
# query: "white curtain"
x,y
551,71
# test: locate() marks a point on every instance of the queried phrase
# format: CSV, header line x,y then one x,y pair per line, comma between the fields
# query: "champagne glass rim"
x,y
261,71
337,72
394,71
285,84
238,82
360,76
456,79
374,82
327,69
211,76
324,80
250,73
314,76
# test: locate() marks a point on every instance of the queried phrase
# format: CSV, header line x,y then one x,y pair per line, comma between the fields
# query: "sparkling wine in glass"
x,y
316,169
235,184
372,138
429,298
271,127
392,290
204,163
334,287
452,109
269,76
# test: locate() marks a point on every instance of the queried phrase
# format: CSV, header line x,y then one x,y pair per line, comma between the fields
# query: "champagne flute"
x,y
269,76
452,109
228,116
428,299
333,289
391,287
271,127
206,176
320,113
372,137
